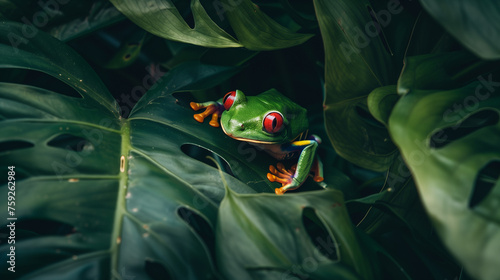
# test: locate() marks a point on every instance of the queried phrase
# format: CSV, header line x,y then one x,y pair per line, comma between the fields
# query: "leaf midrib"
x,y
122,191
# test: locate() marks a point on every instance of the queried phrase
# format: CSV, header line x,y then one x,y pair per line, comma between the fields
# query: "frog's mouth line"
x,y
246,139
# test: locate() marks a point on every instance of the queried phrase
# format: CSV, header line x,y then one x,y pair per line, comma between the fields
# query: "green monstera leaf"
x,y
462,20
126,188
283,243
162,18
447,128
254,29
355,64
365,43
131,197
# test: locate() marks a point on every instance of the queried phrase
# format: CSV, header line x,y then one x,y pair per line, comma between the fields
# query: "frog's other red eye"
x,y
273,122
228,99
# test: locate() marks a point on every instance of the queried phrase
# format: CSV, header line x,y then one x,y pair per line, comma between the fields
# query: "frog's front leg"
x,y
213,108
294,178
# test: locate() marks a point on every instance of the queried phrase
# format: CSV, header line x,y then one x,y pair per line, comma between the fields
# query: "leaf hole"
x,y
200,226
156,271
469,125
71,142
185,11
201,154
9,146
40,227
318,234
42,80
486,179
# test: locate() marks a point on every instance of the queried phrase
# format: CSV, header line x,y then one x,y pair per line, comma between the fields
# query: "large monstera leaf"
x,y
131,197
449,135
125,187
354,65
300,236
162,18
365,43
254,29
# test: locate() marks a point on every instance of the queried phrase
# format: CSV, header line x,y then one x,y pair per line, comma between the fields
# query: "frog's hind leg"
x,y
317,170
291,180
211,108
317,166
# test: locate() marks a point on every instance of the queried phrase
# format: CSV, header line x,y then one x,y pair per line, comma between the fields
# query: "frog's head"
x,y
269,118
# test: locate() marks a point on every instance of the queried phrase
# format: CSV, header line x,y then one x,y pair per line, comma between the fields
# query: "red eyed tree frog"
x,y
273,123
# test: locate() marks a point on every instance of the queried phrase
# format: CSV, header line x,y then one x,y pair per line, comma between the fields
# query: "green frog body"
x,y
273,123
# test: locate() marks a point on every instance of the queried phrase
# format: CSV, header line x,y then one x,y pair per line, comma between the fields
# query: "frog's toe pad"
x,y
199,118
195,106
214,122
318,179
282,190
279,191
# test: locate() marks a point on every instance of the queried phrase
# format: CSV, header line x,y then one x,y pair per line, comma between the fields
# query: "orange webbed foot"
x,y
211,108
283,176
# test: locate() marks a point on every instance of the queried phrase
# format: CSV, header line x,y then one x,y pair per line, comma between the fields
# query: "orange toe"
x,y
199,117
279,191
271,177
195,106
318,179
214,123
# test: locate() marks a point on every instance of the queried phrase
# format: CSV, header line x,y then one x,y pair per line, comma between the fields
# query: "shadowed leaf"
x,y
470,22
446,175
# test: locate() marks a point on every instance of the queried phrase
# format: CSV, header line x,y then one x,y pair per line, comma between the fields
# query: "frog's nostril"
x,y
237,125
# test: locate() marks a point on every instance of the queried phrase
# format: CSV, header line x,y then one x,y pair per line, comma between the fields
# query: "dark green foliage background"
x,y
112,175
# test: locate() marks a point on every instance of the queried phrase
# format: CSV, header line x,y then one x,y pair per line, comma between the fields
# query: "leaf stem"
x,y
121,201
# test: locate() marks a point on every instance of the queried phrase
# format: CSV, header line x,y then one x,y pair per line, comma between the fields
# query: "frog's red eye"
x,y
273,122
228,99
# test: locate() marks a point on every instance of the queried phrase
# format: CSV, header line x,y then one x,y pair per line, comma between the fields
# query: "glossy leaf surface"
x,y
162,18
130,197
449,137
365,44
280,242
354,65
470,22
256,30
121,186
